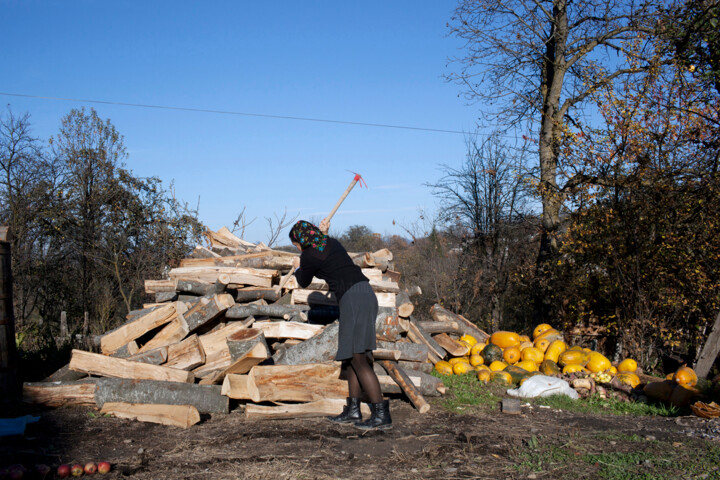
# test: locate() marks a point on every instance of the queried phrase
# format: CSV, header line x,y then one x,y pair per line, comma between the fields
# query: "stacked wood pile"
x,y
232,323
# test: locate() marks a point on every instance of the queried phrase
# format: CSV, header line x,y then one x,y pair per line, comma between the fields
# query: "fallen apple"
x,y
63,470
76,470
90,468
16,472
103,467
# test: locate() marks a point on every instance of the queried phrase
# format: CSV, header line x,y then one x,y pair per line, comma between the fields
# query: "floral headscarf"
x,y
308,235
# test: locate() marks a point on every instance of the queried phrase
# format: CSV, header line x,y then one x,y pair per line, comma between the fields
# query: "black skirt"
x,y
358,311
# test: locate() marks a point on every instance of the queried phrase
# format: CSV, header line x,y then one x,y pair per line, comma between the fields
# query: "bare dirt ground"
x,y
484,443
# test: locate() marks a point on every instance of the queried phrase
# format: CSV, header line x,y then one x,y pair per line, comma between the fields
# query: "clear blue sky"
x,y
371,62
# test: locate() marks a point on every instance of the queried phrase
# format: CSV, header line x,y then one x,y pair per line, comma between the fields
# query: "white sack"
x,y
543,386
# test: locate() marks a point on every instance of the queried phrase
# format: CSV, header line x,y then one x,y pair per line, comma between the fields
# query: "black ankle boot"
x,y
380,417
351,412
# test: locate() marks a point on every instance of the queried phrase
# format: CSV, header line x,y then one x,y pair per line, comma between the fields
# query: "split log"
x,y
272,259
443,315
254,293
318,297
247,348
404,306
385,354
392,275
297,383
283,329
414,291
58,394
199,288
96,364
276,311
206,309
125,351
225,238
242,341
185,355
152,357
206,398
246,276
434,327
319,408
138,327
182,416
406,384
173,332
418,335
453,347
200,252
217,353
157,286
408,351
382,259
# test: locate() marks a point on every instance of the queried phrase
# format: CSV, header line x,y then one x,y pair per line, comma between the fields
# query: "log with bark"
x,y
206,398
408,351
276,311
453,347
406,384
287,329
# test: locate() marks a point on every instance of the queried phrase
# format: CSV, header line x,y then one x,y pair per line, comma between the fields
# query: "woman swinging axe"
x,y
325,257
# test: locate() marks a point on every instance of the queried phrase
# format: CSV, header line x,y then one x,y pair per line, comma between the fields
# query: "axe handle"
x,y
342,198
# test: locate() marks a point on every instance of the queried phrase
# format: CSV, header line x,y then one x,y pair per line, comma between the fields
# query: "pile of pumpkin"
x,y
510,358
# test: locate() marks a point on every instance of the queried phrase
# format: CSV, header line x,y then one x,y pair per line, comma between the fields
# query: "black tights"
x,y
361,377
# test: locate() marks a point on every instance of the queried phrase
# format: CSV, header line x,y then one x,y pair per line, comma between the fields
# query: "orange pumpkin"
x,y
505,339
598,362
540,329
685,376
511,355
627,365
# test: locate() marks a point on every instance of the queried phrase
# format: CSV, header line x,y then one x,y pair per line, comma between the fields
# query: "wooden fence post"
x,y
9,386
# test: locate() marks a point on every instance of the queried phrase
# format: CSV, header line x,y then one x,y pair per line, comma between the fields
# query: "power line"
x,y
243,114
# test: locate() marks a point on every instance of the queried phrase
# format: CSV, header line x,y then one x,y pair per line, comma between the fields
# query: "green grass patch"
x,y
596,404
466,391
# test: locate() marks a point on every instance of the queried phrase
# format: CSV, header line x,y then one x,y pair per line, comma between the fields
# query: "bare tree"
x,y
241,223
485,202
534,63
277,225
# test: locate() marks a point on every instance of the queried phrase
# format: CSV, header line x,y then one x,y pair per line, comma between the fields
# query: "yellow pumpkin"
x,y
540,329
574,368
498,366
612,370
598,362
477,348
542,344
524,345
476,360
525,338
482,367
484,376
533,354
528,365
554,350
551,335
505,339
627,365
469,339
455,360
685,376
573,357
511,355
629,378
461,368
444,368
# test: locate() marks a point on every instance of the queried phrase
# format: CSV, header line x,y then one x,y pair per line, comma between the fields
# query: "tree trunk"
x,y
9,386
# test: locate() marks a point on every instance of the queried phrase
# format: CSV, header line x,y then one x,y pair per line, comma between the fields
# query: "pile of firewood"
x,y
231,323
